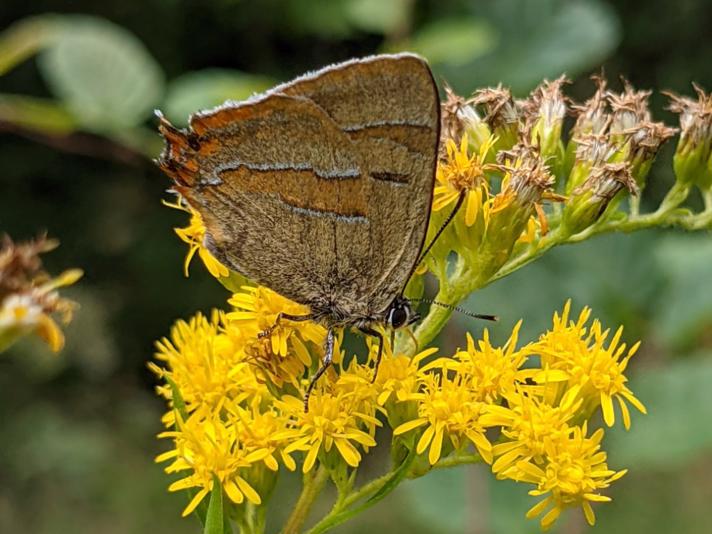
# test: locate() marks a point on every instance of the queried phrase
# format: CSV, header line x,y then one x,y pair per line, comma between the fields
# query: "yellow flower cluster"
x,y
237,413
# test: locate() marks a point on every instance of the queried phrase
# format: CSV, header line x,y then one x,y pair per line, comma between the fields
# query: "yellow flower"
x,y
194,235
398,376
261,427
332,422
206,364
448,409
209,447
529,426
490,372
30,311
462,173
256,311
574,473
573,355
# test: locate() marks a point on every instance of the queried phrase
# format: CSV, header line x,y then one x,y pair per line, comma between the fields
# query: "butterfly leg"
x,y
287,317
377,335
326,362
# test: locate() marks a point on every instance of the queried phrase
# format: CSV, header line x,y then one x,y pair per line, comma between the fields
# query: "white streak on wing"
x,y
352,219
348,173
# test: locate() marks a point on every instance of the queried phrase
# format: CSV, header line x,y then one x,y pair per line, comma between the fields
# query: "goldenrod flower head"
x,y
574,473
531,423
204,363
576,356
334,422
462,173
447,408
261,427
209,448
194,236
490,372
256,310
29,300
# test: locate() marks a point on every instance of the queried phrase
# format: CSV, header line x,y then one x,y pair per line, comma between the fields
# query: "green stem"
x,y
313,485
365,497
461,459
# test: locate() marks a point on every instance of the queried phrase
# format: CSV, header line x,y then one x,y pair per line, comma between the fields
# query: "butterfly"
x,y
319,188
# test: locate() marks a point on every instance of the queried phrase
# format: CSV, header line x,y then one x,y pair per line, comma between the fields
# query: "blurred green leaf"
x,y
439,498
509,503
105,75
684,308
455,42
677,429
36,114
24,39
208,88
379,16
329,18
538,39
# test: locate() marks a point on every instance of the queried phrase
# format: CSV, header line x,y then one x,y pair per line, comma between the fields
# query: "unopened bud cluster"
x,y
516,160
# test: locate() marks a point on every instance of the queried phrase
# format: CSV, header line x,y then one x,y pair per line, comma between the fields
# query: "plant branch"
x,y
313,485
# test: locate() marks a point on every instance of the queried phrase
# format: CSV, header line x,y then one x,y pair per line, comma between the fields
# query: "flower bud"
x,y
589,201
628,110
460,118
544,113
644,142
592,150
501,115
526,179
593,118
692,156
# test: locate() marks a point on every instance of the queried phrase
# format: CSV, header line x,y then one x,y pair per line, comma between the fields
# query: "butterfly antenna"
x,y
484,316
450,217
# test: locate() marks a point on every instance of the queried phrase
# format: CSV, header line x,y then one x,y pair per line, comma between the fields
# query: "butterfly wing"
x,y
321,188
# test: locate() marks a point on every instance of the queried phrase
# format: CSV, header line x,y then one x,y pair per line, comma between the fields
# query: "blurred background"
x,y
77,437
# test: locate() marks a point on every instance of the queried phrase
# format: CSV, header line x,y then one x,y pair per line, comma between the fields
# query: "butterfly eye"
x,y
398,316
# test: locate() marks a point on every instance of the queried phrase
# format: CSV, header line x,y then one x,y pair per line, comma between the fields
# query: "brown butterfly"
x,y
320,188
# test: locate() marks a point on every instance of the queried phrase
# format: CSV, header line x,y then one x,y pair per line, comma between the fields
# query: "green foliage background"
x,y
77,439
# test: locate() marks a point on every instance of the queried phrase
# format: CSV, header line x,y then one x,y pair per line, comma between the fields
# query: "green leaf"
x,y
455,42
104,75
215,520
538,39
177,398
439,499
24,39
684,309
36,114
508,505
208,88
379,16
677,428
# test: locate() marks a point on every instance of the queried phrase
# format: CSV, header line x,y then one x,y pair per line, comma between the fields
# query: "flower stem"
x,y
313,485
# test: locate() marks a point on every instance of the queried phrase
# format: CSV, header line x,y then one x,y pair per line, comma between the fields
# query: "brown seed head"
x,y
695,115
593,116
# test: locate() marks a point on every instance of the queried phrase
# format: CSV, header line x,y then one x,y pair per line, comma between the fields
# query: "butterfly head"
x,y
400,313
